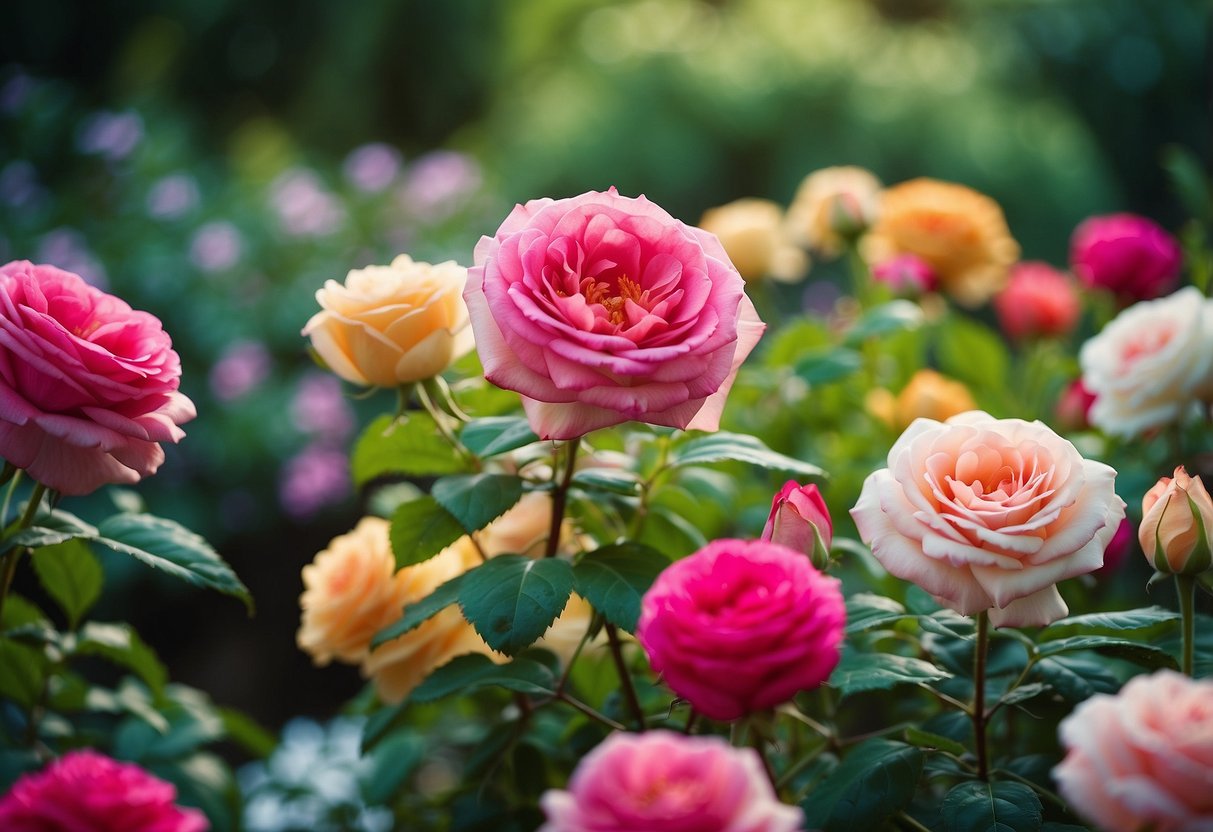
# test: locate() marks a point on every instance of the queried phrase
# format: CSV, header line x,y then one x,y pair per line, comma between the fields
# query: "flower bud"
x,y
800,520
1177,514
905,274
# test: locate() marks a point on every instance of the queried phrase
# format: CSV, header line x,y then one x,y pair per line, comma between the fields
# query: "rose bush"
x,y
88,386
600,309
989,514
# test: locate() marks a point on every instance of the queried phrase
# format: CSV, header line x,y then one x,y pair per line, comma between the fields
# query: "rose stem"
x,y
13,556
979,693
1185,586
625,678
560,496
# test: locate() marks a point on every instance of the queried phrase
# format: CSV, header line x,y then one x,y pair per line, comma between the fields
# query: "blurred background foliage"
x,y
215,162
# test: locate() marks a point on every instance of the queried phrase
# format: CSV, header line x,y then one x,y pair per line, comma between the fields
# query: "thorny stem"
x,y
560,496
625,678
979,693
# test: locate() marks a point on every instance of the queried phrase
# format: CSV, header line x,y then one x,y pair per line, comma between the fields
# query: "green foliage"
x,y
512,599
495,435
876,779
423,610
991,807
723,446
475,500
467,674
894,316
71,574
420,529
614,578
408,446
857,672
121,645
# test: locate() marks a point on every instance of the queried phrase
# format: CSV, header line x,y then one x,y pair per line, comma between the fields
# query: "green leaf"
x,y
1024,692
613,579
512,599
71,574
1076,677
1146,623
121,645
671,533
403,447
421,529
247,733
49,528
24,672
876,780
866,611
607,479
475,500
497,435
167,545
423,610
991,807
725,447
474,672
974,353
894,316
822,366
392,763
925,739
1142,654
858,672
19,612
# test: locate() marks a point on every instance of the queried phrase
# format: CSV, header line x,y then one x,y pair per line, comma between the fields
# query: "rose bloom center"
x,y
600,297
992,487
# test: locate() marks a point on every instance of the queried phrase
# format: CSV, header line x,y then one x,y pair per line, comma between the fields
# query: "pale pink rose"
x,y
906,274
1126,254
800,520
1150,364
1177,514
1037,301
660,781
88,386
989,514
741,626
1142,759
85,791
600,309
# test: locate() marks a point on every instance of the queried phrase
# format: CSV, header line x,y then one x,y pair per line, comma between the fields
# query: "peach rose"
x,y
833,205
989,514
752,233
391,325
1142,759
1177,514
927,395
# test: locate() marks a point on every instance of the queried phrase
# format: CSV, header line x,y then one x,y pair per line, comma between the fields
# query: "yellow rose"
x,y
961,234
391,325
753,235
832,204
928,395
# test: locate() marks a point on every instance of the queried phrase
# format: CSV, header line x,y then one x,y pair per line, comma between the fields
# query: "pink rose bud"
x,y
1177,514
906,274
663,782
741,626
800,520
1074,407
1125,254
1039,301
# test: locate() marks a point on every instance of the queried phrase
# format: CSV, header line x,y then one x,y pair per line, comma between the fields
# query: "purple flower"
x,y
317,477
19,184
243,366
319,408
172,197
216,246
438,184
304,206
112,135
372,167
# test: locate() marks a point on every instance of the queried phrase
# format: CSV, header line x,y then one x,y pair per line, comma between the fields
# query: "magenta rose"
x,y
602,309
800,520
88,386
1126,254
660,781
85,791
741,626
1142,759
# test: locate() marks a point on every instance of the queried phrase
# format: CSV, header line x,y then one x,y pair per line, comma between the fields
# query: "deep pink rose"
x,y
741,626
660,781
1037,301
88,386
1142,759
1118,550
85,791
601,309
800,520
1073,411
906,274
1126,254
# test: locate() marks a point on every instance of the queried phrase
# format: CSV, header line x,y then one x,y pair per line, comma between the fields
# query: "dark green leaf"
x,y
925,739
392,762
512,599
991,807
607,479
24,670
120,644
725,447
247,733
894,316
974,353
404,447
866,611
613,579
1145,623
1024,692
71,574
876,780
671,533
475,500
497,435
822,366
50,528
1142,654
858,672
421,529
473,672
424,609
169,546
1076,677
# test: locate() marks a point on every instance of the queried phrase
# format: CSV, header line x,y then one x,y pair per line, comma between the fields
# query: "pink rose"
x,y
660,781
600,309
1038,301
1126,254
741,626
85,791
989,514
88,386
1118,550
1142,759
1073,411
906,274
800,520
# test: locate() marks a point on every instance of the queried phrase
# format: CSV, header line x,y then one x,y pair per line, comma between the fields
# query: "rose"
x,y
833,205
927,395
661,781
88,386
392,325
800,520
1073,409
1142,759
1117,551
1126,254
905,274
989,514
1152,362
602,309
753,234
740,626
85,791
1177,514
1038,301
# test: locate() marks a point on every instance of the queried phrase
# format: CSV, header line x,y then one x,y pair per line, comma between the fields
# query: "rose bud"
x,y
1176,516
1126,254
1039,301
905,274
800,520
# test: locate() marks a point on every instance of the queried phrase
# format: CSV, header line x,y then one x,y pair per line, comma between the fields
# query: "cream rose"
x,y
989,514
391,325
833,204
1150,363
753,235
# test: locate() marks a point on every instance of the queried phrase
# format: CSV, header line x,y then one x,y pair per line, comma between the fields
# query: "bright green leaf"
x,y
875,780
974,353
894,316
421,529
823,366
402,447
475,500
991,807
614,578
50,528
512,599
497,435
71,574
1145,623
607,479
725,447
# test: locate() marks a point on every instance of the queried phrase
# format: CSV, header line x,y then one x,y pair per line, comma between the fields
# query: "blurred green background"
x,y
215,162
